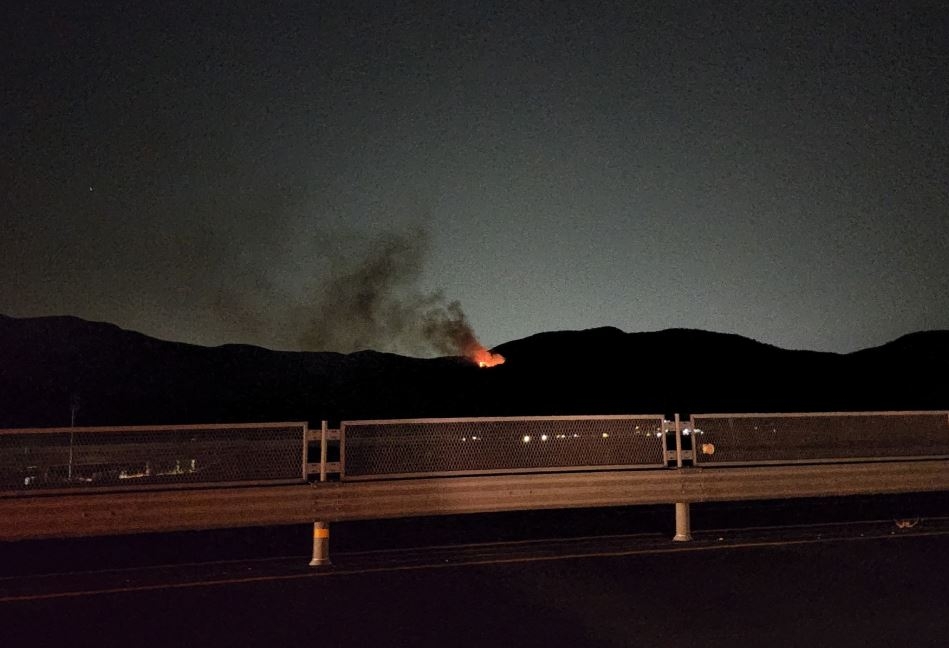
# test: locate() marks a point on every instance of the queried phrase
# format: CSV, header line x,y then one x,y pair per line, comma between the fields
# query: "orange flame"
x,y
485,358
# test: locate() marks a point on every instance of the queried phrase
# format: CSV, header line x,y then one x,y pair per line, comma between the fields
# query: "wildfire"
x,y
485,358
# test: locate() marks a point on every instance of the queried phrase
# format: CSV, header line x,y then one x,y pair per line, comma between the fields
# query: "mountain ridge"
x,y
125,377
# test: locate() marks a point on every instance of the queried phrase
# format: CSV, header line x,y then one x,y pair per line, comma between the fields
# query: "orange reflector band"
x,y
321,533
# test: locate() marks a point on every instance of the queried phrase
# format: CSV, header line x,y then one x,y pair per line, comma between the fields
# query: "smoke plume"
x,y
378,305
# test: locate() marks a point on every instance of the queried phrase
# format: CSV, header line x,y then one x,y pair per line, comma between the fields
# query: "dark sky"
x,y
778,170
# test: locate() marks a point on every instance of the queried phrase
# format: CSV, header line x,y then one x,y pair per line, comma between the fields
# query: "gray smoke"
x,y
378,305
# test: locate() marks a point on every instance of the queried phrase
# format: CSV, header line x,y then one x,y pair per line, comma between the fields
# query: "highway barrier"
x,y
86,481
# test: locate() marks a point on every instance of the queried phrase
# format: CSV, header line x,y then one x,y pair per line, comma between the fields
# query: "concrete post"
x,y
683,523
321,544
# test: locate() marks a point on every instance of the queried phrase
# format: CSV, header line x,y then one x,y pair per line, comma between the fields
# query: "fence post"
x,y
678,442
323,434
683,523
321,544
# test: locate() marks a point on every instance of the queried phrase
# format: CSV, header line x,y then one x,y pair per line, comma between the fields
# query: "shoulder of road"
x,y
236,572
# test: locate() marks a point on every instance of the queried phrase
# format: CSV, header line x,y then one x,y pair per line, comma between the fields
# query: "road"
x,y
856,583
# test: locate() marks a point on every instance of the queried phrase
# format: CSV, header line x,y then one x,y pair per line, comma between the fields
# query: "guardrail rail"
x,y
412,467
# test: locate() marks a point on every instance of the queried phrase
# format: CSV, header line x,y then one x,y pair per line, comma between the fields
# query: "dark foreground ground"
x,y
833,573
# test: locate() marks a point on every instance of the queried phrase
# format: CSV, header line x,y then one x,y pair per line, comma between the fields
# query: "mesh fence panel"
x,y
788,438
67,458
405,448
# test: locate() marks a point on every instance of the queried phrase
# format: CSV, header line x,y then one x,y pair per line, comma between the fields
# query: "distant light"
x,y
575,435
686,432
463,439
606,435
526,439
543,437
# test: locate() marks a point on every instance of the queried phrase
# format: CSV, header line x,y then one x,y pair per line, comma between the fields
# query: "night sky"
x,y
778,170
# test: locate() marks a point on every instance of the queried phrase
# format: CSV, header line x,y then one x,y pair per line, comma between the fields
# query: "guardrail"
x,y
449,466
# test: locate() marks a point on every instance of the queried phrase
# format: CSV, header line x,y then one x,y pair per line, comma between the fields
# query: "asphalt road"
x,y
852,583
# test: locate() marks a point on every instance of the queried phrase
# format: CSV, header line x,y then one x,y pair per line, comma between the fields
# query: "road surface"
x,y
857,583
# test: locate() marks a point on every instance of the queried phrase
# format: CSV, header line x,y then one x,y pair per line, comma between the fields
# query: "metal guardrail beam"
x,y
76,515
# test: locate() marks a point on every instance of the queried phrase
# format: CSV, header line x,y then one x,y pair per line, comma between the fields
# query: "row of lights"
x,y
543,437
527,438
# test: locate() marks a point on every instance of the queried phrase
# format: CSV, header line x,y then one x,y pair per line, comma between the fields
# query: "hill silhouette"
x,y
124,377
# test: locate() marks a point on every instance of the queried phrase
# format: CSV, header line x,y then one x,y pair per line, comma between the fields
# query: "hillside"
x,y
123,377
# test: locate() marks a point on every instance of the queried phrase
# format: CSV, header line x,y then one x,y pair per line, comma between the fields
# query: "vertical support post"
x,y
683,523
321,544
342,450
678,443
306,451
323,434
683,517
